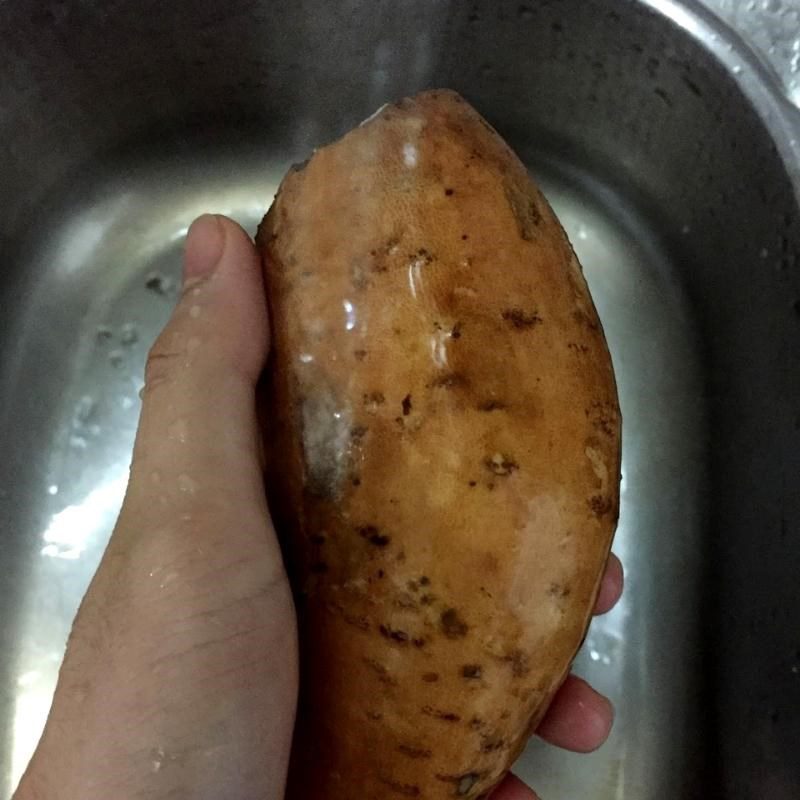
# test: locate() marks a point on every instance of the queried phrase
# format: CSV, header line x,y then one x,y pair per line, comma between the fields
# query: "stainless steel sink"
x,y
672,156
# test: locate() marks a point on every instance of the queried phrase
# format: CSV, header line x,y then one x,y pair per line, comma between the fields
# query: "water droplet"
x,y
52,489
116,358
306,358
350,315
409,155
195,311
764,253
159,284
78,442
84,410
186,484
126,403
737,69
129,334
686,229
178,430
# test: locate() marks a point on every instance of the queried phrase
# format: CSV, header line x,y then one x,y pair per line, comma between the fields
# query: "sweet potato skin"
x,y
443,448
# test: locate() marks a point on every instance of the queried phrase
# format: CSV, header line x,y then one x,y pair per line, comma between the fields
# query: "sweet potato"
x,y
443,439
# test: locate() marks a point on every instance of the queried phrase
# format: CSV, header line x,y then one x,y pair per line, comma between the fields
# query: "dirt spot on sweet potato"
x,y
374,536
394,634
500,464
406,404
488,406
452,625
601,505
520,319
430,677
471,671
438,713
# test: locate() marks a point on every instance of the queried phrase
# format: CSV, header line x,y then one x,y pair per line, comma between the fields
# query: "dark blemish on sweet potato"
x,y
413,586
437,713
492,405
603,417
491,744
456,332
423,255
505,714
525,210
430,677
374,536
472,484
418,642
557,590
401,637
500,464
582,318
464,237
426,599
448,192
450,380
380,574
404,789
319,568
406,405
412,751
520,319
452,625
356,481
374,715
424,580
360,355
519,662
374,399
601,505
471,671
580,349
381,671
357,432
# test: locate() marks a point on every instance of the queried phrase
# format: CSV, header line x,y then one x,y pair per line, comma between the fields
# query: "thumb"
x,y
198,441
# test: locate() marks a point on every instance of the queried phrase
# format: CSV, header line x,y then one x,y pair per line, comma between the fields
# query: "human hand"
x,y
180,675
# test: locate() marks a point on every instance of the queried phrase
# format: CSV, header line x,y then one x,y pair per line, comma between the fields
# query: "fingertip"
x,y
205,241
611,586
579,718
512,788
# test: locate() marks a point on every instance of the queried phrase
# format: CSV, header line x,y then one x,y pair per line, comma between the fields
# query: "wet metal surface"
x,y
675,176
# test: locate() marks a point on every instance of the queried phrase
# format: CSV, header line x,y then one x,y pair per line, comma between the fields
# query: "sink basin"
x,y
673,160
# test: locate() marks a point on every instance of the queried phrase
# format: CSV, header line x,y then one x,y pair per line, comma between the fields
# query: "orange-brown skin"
x,y
444,441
